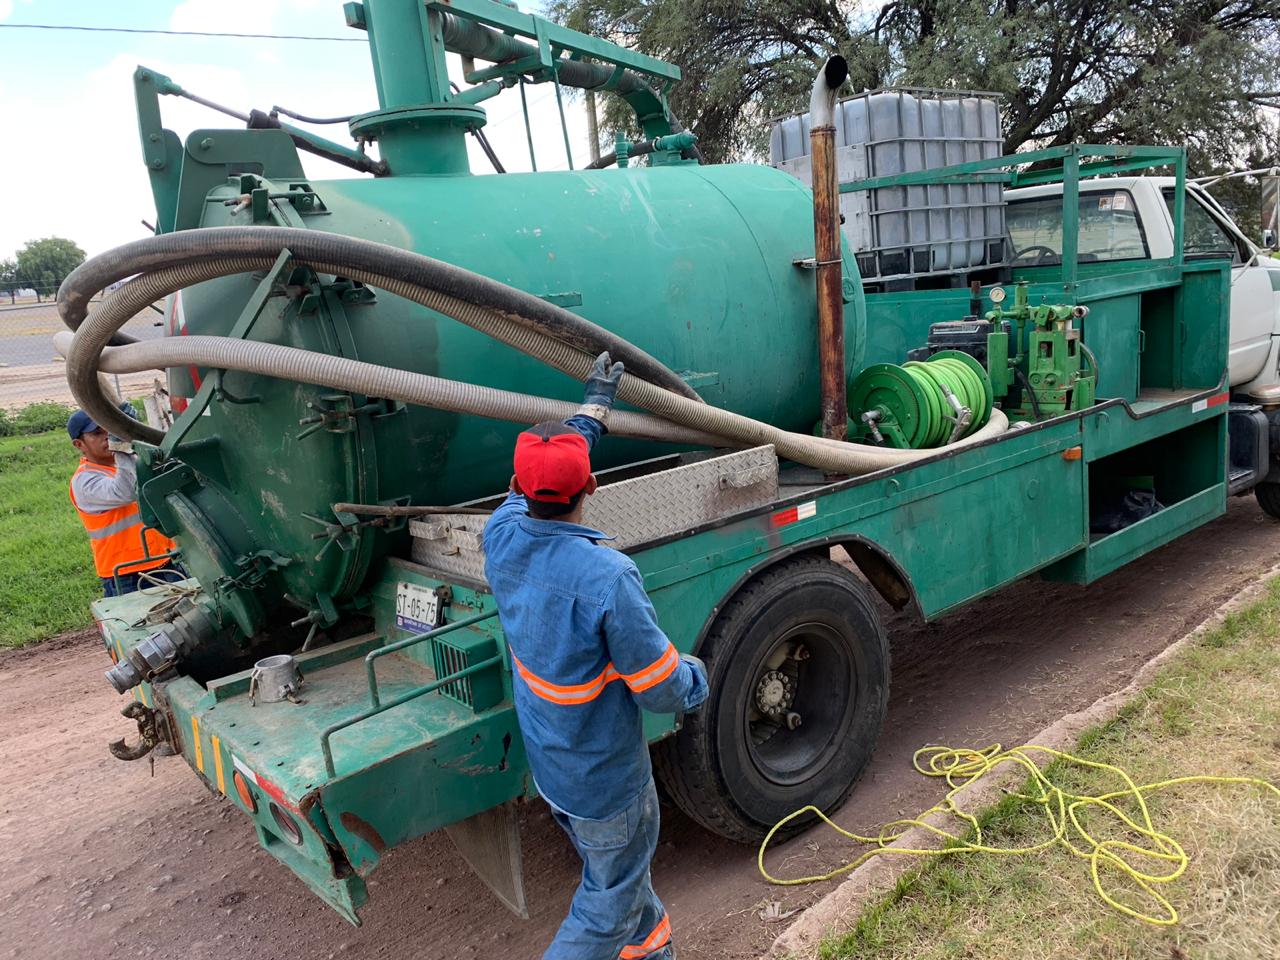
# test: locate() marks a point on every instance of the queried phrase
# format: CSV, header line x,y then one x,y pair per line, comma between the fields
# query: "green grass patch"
x,y
1214,710
34,418
46,568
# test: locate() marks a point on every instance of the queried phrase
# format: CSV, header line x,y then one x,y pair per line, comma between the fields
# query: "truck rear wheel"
x,y
798,666
1268,496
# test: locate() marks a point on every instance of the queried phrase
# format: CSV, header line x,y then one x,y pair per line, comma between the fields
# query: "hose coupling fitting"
x,y
161,652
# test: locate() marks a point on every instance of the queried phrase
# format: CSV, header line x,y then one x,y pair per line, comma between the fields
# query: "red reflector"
x,y
244,792
1219,400
1073,453
802,512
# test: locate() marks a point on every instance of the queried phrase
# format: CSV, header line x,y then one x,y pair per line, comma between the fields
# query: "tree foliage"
x,y
9,278
1188,72
44,264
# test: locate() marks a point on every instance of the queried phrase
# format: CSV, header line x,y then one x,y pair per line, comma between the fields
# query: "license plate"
x,y
417,608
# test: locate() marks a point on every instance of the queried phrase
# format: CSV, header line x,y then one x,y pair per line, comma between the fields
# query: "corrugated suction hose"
x,y
563,340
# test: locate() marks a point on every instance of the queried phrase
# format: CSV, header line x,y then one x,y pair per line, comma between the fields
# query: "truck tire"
x,y
1268,496
803,638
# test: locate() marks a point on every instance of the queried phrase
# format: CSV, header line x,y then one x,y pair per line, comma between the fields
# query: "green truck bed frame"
x,y
400,735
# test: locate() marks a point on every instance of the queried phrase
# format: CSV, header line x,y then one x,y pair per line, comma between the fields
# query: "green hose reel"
x,y
921,403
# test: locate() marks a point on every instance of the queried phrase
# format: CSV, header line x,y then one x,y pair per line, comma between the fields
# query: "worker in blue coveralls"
x,y
588,655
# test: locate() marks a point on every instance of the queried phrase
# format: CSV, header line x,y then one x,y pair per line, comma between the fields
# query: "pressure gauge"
x,y
997,295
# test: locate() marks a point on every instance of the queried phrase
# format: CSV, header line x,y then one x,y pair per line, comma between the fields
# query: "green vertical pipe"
x,y
1070,221
1179,205
406,74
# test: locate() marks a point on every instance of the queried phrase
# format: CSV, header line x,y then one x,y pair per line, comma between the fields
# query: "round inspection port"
x,y
244,792
287,824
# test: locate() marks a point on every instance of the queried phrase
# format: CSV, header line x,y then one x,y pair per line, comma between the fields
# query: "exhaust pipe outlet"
x,y
827,84
826,241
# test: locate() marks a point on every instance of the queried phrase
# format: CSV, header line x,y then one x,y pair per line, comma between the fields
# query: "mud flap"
x,y
490,843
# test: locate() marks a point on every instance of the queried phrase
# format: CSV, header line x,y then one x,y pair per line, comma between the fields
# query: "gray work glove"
x,y
118,444
602,387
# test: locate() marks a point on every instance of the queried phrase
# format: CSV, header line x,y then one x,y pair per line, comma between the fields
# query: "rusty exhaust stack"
x,y
826,239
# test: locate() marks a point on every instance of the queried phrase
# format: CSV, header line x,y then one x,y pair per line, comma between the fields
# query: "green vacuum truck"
x,y
350,361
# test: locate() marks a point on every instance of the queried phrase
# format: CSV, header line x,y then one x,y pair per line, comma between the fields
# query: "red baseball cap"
x,y
552,462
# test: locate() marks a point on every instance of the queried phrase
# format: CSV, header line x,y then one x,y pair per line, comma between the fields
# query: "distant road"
x,y
26,332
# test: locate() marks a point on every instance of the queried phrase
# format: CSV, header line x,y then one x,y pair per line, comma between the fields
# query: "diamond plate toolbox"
x,y
634,511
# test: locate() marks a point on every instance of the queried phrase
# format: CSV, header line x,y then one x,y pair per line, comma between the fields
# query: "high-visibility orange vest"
x,y
115,535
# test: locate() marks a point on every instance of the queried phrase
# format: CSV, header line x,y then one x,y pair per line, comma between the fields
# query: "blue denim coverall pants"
x,y
588,655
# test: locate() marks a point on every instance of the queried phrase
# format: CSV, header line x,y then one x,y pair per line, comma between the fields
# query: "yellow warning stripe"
x,y
217,764
195,739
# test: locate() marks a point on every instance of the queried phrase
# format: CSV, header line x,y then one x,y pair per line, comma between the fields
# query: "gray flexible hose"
x,y
94,334
305,366
325,370
494,307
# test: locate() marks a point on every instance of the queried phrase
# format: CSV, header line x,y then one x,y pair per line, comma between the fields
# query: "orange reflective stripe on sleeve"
x,y
566,694
654,673
655,941
571,694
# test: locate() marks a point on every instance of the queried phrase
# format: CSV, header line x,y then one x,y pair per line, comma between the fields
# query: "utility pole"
x,y
593,127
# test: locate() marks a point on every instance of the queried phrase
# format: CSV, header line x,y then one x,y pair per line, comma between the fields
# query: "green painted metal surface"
x,y
694,264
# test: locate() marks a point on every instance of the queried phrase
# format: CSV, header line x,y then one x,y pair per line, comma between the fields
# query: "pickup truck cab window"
x,y
1203,237
1110,229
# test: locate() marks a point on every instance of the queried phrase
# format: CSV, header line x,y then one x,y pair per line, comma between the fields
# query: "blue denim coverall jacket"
x,y
587,652
588,655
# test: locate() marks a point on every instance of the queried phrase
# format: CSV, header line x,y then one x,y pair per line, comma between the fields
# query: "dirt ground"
x,y
102,860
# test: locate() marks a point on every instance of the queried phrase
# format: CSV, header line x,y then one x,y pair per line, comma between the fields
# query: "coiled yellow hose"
x,y
1063,814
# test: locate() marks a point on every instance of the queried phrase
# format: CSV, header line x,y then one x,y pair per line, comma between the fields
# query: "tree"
x,y
9,278
44,264
1190,72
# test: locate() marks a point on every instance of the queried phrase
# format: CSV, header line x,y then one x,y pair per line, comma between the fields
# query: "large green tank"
x,y
697,265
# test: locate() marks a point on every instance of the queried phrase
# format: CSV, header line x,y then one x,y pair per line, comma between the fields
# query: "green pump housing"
x,y
695,264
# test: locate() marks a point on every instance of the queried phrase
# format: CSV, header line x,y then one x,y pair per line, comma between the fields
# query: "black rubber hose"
x,y
516,306
1026,386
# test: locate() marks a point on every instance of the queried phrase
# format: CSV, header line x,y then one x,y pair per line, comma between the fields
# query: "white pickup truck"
x,y
1130,218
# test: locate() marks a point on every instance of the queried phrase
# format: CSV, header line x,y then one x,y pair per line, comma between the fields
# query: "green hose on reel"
x,y
921,404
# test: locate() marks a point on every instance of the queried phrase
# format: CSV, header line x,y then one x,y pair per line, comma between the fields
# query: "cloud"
x,y
100,151
235,16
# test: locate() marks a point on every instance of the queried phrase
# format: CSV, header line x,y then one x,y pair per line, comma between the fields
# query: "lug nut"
x,y
793,720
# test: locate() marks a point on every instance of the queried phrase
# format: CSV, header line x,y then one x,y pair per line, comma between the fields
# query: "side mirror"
x,y
1269,239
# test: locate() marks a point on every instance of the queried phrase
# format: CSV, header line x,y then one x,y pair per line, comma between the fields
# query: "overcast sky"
x,y
71,164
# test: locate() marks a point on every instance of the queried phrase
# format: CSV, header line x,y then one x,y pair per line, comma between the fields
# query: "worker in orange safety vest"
x,y
104,491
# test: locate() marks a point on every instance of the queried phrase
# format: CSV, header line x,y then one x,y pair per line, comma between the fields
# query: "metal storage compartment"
x,y
907,232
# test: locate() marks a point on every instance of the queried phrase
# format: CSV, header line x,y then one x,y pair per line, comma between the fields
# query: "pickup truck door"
x,y
1207,232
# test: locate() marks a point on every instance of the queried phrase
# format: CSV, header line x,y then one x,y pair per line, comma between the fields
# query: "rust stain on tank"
x,y
363,829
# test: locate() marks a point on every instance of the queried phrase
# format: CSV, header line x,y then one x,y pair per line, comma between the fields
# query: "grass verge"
x,y
1214,710
46,569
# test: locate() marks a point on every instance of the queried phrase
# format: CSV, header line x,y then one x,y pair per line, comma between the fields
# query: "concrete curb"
x,y
839,910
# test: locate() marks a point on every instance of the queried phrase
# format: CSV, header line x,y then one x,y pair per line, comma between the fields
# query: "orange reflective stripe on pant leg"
x,y
655,941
